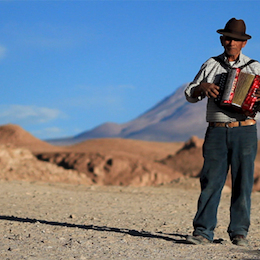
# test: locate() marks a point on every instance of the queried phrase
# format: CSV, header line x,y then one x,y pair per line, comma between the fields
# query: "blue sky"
x,y
69,66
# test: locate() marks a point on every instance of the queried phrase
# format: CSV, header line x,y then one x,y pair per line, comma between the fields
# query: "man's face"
x,y
232,46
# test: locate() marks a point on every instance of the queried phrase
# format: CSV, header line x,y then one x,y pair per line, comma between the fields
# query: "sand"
x,y
46,221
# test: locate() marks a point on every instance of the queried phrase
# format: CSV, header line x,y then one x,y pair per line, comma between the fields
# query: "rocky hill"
x,y
107,161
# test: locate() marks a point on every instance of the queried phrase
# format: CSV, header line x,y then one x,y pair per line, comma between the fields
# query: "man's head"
x,y
234,38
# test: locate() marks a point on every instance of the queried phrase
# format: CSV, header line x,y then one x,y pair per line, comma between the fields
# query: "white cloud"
x,y
19,114
56,132
47,35
111,97
48,132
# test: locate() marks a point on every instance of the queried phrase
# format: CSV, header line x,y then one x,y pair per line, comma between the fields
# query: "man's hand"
x,y
257,94
253,114
208,89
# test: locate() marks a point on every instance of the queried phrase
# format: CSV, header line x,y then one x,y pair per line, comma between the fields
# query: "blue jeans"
x,y
224,147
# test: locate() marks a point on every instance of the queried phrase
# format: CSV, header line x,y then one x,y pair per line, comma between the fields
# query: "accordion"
x,y
237,89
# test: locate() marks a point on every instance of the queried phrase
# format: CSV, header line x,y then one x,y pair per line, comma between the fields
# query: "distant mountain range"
x,y
171,120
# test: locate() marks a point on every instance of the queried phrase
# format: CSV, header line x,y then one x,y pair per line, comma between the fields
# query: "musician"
x,y
230,141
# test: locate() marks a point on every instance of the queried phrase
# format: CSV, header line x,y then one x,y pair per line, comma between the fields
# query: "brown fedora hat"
x,y
235,29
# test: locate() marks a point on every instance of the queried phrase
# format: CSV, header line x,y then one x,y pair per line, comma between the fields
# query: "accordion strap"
x,y
248,63
228,67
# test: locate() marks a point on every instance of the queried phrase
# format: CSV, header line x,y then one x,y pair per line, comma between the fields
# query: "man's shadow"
x,y
181,239
131,232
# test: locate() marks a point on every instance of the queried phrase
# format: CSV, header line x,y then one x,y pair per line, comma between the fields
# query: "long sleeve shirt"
x,y
210,72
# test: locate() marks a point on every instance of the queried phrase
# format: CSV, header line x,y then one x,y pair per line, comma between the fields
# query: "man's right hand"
x,y
208,89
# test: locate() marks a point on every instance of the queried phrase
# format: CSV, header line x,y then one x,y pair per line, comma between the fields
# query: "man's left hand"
x,y
257,94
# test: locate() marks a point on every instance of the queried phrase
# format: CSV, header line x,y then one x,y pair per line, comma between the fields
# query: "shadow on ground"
x,y
131,232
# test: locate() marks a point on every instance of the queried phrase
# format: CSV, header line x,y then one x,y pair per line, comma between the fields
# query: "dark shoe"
x,y
197,240
240,240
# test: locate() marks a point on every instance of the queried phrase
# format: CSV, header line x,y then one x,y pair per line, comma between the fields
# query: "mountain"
x,y
172,119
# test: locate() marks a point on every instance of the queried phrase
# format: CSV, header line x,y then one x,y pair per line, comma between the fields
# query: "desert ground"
x,y
107,199
63,221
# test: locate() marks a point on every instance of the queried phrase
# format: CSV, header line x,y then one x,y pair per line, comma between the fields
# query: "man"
x,y
230,140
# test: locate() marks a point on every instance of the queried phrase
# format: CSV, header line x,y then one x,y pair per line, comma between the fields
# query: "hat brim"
x,y
234,35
